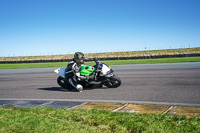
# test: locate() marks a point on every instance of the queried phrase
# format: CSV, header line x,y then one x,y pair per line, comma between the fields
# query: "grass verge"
x,y
46,120
109,62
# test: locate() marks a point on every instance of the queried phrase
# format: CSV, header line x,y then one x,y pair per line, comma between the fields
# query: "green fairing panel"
x,y
86,70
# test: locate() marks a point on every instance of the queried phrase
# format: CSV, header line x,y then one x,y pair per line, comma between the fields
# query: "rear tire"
x,y
63,84
113,82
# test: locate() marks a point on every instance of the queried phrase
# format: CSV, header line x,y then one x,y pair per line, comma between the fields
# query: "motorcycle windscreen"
x,y
105,70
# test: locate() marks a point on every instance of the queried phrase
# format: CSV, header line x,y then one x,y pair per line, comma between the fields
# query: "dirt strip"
x,y
116,107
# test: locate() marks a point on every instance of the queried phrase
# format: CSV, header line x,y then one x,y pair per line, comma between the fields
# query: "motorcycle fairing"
x,y
86,70
60,71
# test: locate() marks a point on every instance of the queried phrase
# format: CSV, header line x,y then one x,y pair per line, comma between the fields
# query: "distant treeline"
x,y
111,58
149,54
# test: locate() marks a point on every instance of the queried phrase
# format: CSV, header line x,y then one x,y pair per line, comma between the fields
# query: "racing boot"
x,y
79,88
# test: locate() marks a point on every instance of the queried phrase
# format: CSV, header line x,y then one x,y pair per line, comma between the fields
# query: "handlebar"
x,y
92,59
96,59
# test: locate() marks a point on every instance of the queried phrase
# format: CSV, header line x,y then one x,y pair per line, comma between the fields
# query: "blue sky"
x,y
45,27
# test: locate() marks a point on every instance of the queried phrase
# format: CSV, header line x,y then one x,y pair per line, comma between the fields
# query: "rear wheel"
x,y
113,82
62,83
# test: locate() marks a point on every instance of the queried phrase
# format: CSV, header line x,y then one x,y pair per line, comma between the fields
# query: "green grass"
x,y
49,120
32,65
152,61
109,62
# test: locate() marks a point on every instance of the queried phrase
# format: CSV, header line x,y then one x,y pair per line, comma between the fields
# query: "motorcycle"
x,y
97,75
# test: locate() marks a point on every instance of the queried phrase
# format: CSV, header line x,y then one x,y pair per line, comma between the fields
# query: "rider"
x,y
73,68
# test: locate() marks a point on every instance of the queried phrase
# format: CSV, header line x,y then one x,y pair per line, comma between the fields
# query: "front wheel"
x,y
113,82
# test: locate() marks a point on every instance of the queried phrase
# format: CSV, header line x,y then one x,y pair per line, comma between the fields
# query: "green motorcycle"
x,y
97,75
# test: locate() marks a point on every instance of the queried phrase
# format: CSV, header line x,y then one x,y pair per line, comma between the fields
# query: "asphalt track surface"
x,y
168,83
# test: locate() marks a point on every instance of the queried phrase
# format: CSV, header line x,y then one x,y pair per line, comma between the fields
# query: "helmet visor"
x,y
81,60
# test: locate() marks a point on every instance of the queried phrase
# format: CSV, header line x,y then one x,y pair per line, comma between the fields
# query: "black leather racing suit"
x,y
73,69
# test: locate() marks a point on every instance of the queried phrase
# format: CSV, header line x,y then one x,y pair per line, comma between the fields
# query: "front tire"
x,y
113,82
